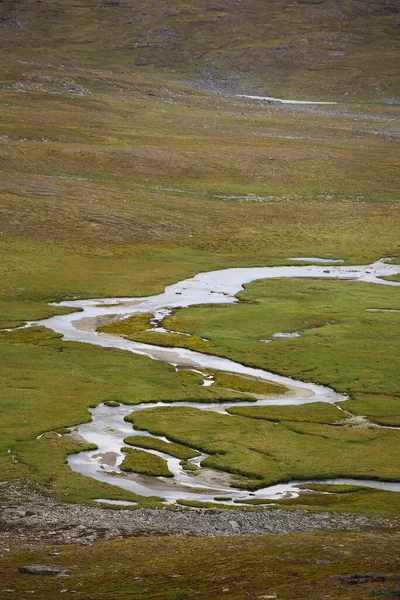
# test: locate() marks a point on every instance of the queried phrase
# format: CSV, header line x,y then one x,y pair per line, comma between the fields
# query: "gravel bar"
x,y
29,516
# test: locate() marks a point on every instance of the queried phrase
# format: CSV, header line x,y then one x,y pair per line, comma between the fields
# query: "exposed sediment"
x,y
30,517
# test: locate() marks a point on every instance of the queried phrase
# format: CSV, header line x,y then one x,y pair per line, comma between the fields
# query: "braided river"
x,y
108,428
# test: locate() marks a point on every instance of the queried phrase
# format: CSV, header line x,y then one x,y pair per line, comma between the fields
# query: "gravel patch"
x,y
30,517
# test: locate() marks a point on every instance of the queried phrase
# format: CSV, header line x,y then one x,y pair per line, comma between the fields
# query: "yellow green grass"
x,y
392,278
246,384
342,345
177,450
145,463
47,384
314,412
272,452
119,183
353,500
336,498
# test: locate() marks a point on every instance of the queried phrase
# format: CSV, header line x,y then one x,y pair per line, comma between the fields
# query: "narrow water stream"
x,y
282,100
108,428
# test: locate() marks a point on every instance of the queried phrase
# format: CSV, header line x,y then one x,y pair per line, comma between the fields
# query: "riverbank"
x,y
31,518
107,429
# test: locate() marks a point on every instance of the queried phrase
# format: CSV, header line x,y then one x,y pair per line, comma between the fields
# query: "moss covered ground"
x,y
284,566
176,450
342,343
313,412
271,452
145,463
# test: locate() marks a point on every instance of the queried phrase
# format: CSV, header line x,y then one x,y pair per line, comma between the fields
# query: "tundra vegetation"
x,y
121,174
314,565
145,463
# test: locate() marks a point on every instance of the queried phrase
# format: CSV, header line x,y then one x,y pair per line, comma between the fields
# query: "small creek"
x,y
282,100
108,428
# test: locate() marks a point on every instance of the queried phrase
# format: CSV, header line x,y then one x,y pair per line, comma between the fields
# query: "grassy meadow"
x,y
117,180
144,463
272,452
121,174
176,450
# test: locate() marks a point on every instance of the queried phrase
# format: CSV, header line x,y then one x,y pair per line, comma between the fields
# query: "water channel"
x,y
108,428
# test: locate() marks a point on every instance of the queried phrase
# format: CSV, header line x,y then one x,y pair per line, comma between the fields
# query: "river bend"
x,y
108,428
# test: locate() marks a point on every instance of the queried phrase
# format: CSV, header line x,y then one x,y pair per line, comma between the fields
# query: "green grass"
x,y
186,466
272,452
118,180
47,384
392,278
246,384
336,498
380,409
129,326
314,412
145,463
342,344
112,403
136,328
358,500
176,450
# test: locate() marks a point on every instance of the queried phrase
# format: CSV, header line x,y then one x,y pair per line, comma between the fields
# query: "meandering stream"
x,y
108,428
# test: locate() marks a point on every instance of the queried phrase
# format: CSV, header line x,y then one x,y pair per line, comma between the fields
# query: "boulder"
x,y
43,570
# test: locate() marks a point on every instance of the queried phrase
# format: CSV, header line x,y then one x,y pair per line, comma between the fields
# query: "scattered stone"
x,y
323,561
358,578
43,570
59,523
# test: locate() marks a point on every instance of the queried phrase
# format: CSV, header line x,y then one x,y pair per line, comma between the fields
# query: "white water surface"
x,y
108,428
281,100
315,259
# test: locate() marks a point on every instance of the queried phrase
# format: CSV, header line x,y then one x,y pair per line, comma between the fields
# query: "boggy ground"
x,y
119,181
120,192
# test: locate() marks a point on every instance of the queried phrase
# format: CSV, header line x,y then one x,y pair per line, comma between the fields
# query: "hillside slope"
x,y
308,48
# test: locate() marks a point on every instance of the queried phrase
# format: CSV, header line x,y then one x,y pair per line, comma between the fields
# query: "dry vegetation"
x,y
310,49
284,566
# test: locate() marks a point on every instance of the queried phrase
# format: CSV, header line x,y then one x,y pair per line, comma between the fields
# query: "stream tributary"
x,y
108,428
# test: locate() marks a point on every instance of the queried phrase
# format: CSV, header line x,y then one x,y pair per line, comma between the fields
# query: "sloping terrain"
x,y
121,171
332,49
